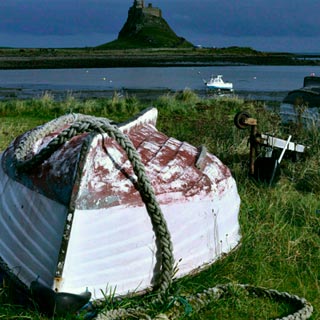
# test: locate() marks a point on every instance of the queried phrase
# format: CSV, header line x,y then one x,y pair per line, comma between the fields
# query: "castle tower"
x,y
141,19
138,4
150,10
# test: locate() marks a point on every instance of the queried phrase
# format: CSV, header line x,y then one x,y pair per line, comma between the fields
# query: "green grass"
x,y
280,226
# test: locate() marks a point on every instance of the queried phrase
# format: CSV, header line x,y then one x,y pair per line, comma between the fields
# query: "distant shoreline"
x,y
91,58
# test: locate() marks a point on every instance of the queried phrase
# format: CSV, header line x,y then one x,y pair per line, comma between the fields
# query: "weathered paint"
x,y
115,248
108,179
103,234
54,178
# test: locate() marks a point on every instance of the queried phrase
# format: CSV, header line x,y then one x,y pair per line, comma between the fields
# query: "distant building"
x,y
139,7
146,28
138,4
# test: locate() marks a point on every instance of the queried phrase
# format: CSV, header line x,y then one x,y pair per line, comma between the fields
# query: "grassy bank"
x,y
280,226
97,58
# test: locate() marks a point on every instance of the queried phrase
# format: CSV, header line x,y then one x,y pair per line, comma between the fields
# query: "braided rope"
x,y
201,300
81,124
22,151
23,161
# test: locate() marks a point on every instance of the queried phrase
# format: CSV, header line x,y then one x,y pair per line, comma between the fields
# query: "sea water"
x,y
256,82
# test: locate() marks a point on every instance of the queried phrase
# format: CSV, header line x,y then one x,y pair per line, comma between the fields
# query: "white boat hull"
x,y
115,248
31,231
96,233
220,87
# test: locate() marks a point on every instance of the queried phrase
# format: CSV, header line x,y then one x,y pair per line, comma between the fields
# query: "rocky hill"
x,y
146,28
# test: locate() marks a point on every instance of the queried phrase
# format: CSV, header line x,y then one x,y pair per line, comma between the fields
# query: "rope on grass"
x,y
79,124
199,301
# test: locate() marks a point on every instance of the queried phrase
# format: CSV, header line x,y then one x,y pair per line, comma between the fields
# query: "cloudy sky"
x,y
267,25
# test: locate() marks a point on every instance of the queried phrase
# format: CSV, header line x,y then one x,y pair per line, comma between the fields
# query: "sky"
x,y
265,25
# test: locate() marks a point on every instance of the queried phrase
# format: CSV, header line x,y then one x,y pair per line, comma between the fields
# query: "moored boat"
x,y
217,83
78,213
303,104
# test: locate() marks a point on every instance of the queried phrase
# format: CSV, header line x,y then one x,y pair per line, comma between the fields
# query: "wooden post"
x,y
253,148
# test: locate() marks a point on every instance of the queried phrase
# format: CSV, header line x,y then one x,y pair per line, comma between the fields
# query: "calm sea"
x,y
256,82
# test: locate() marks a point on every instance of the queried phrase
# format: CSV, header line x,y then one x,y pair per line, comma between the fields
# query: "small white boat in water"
x,y
77,220
217,83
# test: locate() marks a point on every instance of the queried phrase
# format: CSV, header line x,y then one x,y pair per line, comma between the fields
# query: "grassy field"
x,y
280,225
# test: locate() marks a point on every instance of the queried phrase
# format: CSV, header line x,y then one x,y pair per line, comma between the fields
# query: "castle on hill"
x,y
139,7
146,28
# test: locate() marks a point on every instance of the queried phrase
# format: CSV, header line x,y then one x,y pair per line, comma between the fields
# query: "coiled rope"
x,y
201,300
79,124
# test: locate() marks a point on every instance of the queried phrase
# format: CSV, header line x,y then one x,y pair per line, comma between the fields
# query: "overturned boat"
x,y
87,204
302,105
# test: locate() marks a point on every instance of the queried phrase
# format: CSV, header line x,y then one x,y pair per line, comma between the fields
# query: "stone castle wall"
x,y
149,10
